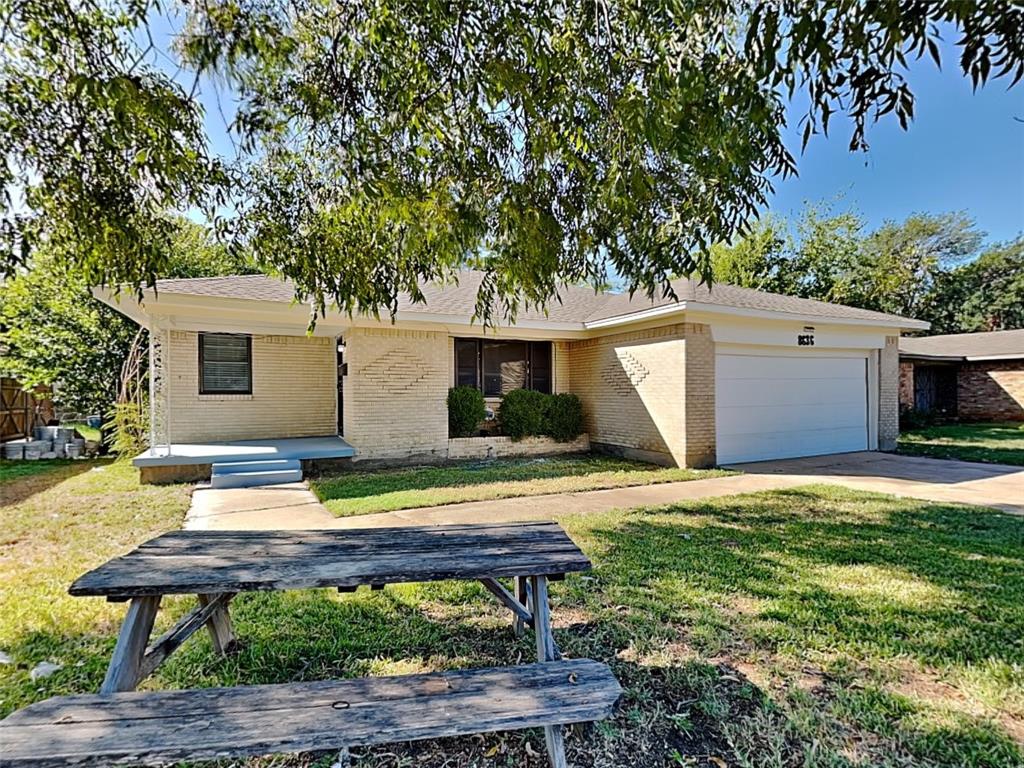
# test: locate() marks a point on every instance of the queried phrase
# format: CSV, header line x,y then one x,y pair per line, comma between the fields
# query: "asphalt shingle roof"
x,y
575,304
967,345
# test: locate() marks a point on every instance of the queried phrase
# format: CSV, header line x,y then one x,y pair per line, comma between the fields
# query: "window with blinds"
x,y
225,364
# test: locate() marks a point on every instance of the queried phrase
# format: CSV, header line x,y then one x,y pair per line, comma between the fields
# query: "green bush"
x,y
522,413
563,417
466,410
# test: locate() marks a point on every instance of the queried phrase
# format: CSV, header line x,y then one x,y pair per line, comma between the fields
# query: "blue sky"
x,y
963,152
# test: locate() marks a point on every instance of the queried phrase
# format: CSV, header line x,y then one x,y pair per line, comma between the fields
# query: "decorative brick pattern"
x,y
394,405
991,391
293,392
623,373
397,372
888,394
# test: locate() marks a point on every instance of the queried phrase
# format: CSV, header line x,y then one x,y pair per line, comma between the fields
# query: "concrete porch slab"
x,y
324,447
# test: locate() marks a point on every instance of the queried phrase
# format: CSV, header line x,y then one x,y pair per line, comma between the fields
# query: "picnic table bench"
x,y
123,726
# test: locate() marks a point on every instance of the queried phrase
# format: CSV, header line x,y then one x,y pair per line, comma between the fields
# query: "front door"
x,y
341,386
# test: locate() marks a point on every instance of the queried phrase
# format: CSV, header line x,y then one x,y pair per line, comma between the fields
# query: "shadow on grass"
x,y
20,480
350,485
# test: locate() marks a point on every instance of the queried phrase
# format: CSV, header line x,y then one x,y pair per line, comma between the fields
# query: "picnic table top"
x,y
190,562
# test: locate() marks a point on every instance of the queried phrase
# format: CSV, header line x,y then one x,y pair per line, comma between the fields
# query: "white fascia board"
x,y
983,358
125,303
190,308
636,317
764,314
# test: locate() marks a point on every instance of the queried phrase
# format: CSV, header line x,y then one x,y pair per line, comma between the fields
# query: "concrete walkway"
x,y
295,506
270,507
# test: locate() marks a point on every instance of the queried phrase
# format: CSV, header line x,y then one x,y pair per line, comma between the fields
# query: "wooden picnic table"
x,y
216,565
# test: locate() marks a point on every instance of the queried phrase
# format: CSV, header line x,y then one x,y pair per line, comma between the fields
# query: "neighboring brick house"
x,y
969,376
713,376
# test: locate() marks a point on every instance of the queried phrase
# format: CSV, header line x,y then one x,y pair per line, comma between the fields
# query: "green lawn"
x,y
810,627
1001,442
359,493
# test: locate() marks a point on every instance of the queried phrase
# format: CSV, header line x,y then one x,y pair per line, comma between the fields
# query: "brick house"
x,y
969,376
716,376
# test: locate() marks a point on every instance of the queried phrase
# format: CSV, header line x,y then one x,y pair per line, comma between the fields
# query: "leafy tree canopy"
x,y
929,266
54,332
383,143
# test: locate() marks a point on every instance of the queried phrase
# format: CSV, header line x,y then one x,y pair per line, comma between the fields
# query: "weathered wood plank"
x,y
547,652
213,563
523,597
497,589
218,623
165,726
125,669
172,639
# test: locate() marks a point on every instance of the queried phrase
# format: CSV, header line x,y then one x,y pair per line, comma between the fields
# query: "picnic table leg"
x,y
523,596
219,626
125,670
546,651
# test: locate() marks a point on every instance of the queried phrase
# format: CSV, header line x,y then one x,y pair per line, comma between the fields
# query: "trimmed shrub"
x,y
563,417
466,410
522,413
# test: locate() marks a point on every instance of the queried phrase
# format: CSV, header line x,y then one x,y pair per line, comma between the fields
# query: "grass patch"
x,y
1000,442
16,470
360,493
810,627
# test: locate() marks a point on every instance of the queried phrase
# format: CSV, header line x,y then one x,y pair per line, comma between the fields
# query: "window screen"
x,y
467,372
540,366
225,364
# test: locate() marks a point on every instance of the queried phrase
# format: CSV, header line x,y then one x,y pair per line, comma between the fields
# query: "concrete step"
x,y
255,465
250,474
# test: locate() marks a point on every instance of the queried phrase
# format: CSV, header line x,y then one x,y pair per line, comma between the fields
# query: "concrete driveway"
x,y
989,485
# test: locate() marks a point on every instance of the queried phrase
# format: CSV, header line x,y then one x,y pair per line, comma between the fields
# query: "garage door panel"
x,y
777,367
774,406
778,419
762,447
751,393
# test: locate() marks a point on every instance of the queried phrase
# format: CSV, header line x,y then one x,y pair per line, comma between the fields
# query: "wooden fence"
x,y
21,411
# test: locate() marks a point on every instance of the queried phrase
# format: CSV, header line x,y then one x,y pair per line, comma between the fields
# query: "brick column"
x,y
699,396
888,394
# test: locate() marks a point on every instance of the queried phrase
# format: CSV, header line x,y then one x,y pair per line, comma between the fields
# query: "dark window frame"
x,y
479,356
248,358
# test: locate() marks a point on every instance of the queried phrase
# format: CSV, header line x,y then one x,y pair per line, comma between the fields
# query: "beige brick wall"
x,y
293,392
888,394
631,386
562,367
395,392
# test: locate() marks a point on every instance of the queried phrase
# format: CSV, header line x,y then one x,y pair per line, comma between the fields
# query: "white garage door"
x,y
776,407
